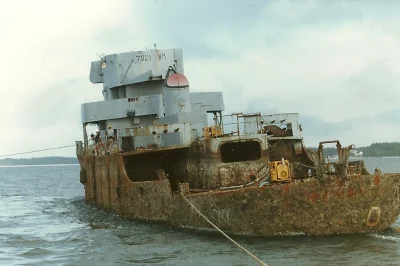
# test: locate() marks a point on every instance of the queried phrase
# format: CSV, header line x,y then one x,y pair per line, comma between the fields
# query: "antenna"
x,y
99,56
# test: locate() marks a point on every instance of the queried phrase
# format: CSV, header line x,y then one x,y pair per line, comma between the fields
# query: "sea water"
x,y
44,221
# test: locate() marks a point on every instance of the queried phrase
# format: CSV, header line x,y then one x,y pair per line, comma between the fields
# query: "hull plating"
x,y
358,204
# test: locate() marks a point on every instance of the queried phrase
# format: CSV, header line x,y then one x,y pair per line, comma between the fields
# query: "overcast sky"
x,y
334,62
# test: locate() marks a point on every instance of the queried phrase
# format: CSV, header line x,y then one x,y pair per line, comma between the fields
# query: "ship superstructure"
x,y
148,103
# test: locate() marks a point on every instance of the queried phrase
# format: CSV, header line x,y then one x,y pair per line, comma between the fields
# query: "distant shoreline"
x,y
56,160
375,150
27,165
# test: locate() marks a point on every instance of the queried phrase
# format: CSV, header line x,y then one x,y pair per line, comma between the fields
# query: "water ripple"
x,y
45,221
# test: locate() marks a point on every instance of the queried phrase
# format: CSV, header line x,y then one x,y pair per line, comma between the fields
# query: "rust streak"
x,y
286,188
377,180
351,193
314,196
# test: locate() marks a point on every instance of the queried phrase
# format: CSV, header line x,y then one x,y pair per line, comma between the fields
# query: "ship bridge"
x,y
147,99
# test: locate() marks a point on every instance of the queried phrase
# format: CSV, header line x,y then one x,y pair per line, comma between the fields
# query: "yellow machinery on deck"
x,y
279,171
212,132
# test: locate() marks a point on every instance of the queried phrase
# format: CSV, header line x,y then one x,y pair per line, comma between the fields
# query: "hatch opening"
x,y
240,151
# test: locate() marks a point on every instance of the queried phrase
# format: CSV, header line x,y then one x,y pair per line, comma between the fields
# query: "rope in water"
x,y
219,230
61,147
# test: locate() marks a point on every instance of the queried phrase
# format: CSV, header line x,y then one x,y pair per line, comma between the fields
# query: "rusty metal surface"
x,y
358,204
212,173
152,150
312,208
340,168
207,170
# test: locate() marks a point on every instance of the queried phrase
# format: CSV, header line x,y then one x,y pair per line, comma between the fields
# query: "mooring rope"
x,y
219,230
61,147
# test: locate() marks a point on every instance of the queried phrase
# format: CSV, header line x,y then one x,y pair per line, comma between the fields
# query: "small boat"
x,y
250,174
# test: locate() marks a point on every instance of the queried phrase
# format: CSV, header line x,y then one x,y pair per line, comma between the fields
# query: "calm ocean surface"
x,y
44,221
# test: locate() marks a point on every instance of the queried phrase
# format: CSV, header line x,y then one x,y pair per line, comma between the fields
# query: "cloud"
x,y
317,69
47,50
337,69
333,62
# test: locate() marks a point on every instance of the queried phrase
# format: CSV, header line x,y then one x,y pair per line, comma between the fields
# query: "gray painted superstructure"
x,y
138,103
136,97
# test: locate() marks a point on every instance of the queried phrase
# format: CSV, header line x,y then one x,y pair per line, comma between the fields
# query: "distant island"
x,y
38,161
383,149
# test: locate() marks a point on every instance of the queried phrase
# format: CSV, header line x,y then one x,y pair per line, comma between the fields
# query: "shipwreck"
x,y
250,174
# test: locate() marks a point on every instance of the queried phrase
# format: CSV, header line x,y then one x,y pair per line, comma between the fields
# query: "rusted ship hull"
x,y
358,204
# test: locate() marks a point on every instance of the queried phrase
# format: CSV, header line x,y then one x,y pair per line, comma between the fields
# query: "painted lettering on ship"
x,y
143,58
147,57
133,99
162,57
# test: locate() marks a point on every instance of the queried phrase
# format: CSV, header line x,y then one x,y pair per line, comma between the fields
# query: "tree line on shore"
x,y
383,149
